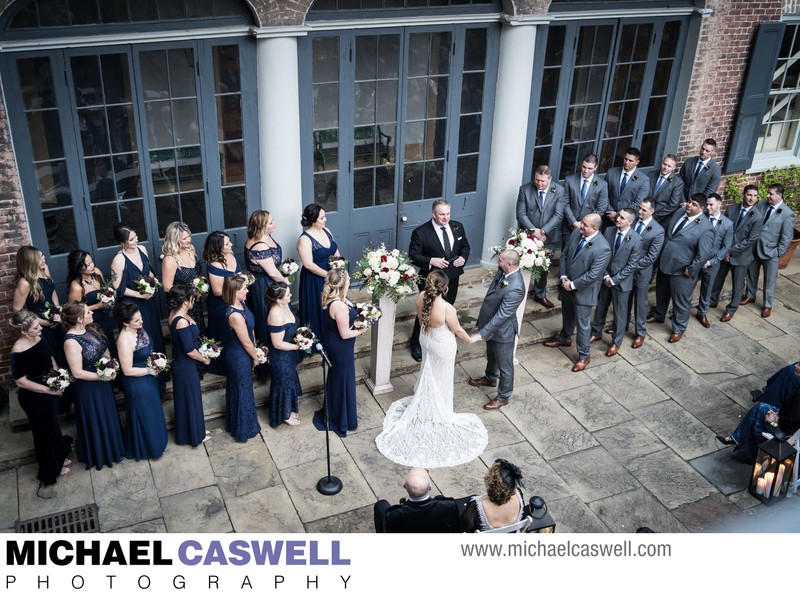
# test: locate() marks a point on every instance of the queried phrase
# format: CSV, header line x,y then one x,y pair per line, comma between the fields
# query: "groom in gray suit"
x,y
497,325
583,264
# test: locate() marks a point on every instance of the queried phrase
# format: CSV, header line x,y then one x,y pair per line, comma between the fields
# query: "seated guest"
x,y
782,383
763,417
420,512
503,503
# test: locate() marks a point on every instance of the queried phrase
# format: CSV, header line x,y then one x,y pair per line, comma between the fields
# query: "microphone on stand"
x,y
318,347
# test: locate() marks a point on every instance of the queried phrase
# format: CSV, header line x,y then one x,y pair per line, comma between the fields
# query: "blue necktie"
x,y
639,227
624,182
583,191
697,169
618,241
742,212
541,200
659,182
580,246
681,225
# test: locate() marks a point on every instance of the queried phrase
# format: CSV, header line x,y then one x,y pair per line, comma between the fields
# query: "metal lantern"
x,y
542,522
773,470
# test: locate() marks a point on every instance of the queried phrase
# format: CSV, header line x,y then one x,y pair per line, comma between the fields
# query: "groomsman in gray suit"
x,y
701,174
723,239
585,193
618,280
747,223
666,188
540,208
627,186
652,235
497,325
688,246
583,264
771,244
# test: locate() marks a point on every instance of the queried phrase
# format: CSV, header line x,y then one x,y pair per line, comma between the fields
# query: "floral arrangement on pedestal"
x,y
533,256
387,273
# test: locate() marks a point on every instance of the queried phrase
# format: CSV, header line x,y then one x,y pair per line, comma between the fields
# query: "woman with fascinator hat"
x,y
503,503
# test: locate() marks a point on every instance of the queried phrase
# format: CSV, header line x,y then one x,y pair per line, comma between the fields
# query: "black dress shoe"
x,y
416,352
725,440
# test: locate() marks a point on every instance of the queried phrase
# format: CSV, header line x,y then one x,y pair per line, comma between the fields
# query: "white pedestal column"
x,y
279,137
380,354
509,132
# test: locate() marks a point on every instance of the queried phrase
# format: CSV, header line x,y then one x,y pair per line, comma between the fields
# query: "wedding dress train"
x,y
422,430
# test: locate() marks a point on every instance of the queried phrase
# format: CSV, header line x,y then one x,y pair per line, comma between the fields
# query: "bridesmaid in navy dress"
x,y
181,265
284,355
84,282
145,427
190,425
314,247
31,360
240,357
340,389
221,264
262,257
36,292
130,264
96,418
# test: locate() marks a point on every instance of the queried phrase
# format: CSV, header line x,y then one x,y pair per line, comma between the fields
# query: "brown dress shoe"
x,y
581,364
554,342
482,381
675,337
653,320
746,300
766,312
637,342
595,338
726,317
612,350
703,321
495,404
544,301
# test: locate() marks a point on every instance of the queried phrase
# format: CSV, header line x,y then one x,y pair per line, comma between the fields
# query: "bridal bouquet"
x,y
387,273
148,285
533,256
366,315
289,268
209,348
52,313
107,295
247,277
262,354
107,368
305,339
337,262
158,362
202,285
58,379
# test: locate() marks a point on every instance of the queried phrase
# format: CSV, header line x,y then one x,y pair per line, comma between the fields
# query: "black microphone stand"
x,y
327,485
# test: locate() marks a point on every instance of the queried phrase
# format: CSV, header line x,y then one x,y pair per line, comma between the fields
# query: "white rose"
x,y
367,272
538,261
395,252
394,277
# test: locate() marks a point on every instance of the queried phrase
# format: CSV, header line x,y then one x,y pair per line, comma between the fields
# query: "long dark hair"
x,y
436,284
215,243
76,261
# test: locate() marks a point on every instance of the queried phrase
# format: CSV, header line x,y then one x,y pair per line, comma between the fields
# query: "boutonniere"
x,y
705,167
649,228
552,189
504,283
594,182
697,221
635,177
750,213
780,210
628,237
588,245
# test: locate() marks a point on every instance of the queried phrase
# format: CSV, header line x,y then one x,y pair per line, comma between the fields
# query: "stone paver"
x,y
669,478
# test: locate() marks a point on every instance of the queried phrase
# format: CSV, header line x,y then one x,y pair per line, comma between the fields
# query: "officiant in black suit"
x,y
439,243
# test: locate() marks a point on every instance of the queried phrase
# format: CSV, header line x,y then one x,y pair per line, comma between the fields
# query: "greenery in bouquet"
x,y
202,285
366,315
107,368
58,379
532,253
305,339
52,313
289,268
209,348
147,285
387,273
107,295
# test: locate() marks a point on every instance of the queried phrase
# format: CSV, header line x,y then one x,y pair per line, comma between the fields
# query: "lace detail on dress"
x,y
142,339
484,522
422,430
92,347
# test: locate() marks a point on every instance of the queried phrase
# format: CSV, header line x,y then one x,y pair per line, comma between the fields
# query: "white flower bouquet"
x,y
52,313
147,285
202,285
107,295
262,354
58,379
107,368
305,339
366,315
158,362
209,348
289,268
387,273
337,262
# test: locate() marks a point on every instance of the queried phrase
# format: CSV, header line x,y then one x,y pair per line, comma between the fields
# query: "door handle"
x,y
403,219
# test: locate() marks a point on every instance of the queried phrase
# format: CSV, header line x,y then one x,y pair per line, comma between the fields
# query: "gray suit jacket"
x,y
723,239
497,319
636,190
669,196
596,198
745,234
650,245
625,261
776,232
530,214
707,180
690,248
586,269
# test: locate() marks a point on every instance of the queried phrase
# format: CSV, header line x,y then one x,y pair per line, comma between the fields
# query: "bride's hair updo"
x,y
436,284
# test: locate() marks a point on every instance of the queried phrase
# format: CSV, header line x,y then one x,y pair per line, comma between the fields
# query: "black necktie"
x,y
446,238
697,170
769,213
623,183
681,225
713,221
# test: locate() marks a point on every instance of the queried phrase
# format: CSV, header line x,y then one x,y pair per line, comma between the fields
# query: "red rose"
x,y
512,242
384,258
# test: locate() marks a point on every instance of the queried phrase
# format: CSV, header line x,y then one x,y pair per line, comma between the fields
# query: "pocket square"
x,y
459,238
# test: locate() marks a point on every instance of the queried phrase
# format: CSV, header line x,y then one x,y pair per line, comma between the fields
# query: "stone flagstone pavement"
x,y
627,443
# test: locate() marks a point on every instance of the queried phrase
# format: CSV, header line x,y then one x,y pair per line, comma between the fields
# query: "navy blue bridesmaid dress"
x,y
240,403
102,317
256,296
218,328
311,286
284,388
190,426
184,275
151,313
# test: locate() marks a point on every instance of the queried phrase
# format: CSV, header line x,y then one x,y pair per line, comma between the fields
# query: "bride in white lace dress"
x,y
422,430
